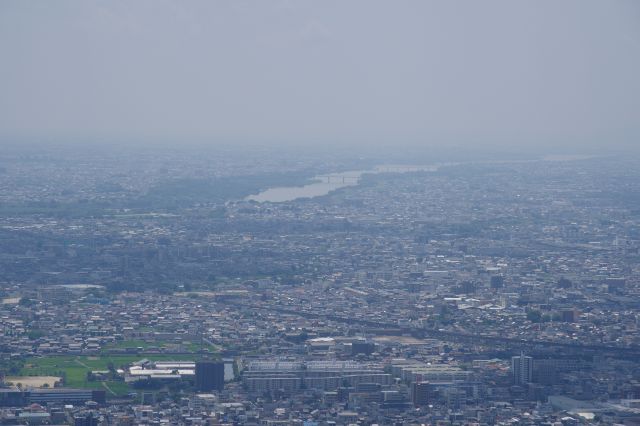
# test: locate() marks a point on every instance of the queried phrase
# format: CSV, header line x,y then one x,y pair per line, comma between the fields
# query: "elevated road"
x,y
458,337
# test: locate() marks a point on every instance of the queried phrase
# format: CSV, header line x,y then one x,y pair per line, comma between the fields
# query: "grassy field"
x,y
75,368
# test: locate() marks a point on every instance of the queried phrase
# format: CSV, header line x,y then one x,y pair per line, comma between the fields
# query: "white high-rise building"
x,y
522,369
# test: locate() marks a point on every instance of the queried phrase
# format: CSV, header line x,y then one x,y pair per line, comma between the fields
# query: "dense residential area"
x,y
320,213
501,292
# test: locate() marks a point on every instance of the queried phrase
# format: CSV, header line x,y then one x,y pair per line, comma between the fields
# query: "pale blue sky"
x,y
530,73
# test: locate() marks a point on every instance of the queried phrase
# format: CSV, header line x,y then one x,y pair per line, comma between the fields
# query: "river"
x,y
324,184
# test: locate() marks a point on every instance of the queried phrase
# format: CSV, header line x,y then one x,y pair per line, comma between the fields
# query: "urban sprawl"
x,y
146,288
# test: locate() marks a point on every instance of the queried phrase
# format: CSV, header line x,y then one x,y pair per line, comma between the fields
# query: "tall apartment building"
x,y
522,369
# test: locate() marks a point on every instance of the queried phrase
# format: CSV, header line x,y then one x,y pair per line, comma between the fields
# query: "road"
x,y
452,336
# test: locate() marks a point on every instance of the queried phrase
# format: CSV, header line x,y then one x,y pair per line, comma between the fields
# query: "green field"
x,y
75,368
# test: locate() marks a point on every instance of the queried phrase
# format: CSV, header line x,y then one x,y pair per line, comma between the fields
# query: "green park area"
x,y
74,369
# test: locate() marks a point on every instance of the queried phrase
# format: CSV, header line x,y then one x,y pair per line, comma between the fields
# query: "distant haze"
x,y
513,74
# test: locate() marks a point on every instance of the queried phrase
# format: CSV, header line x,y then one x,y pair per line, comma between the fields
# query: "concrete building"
x,y
522,369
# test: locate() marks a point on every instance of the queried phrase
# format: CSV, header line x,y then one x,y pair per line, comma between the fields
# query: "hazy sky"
x,y
477,73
